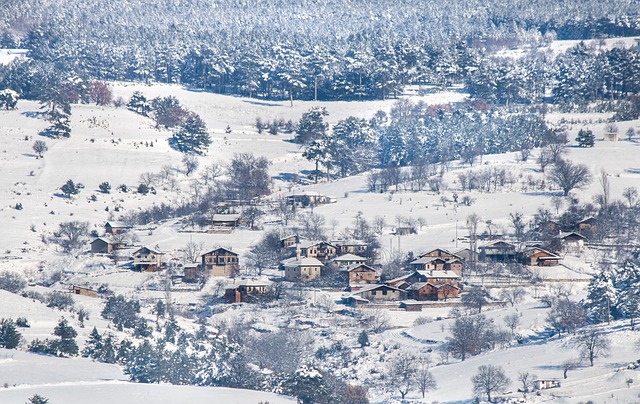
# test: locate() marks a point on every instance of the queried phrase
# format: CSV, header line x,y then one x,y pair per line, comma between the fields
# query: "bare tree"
x,y
526,380
566,315
468,336
512,321
592,344
314,226
71,235
631,195
193,251
401,372
377,320
190,163
513,295
605,197
424,378
489,380
568,365
475,298
568,176
379,223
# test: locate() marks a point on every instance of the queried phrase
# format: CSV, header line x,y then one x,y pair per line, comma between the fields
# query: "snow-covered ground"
x,y
109,144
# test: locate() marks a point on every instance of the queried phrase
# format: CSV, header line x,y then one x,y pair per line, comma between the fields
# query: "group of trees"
x,y
65,345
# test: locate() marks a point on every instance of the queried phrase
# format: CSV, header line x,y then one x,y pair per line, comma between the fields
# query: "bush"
x,y
12,281
105,187
59,300
23,322
422,320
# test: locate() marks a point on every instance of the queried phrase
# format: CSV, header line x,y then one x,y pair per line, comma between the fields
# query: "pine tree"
x,y
585,138
67,343
70,188
171,328
38,399
628,284
93,347
139,104
193,137
363,339
601,297
108,352
10,337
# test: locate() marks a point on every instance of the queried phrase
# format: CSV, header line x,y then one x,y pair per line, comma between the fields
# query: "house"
x,y
543,384
498,251
405,230
421,291
245,291
441,253
377,292
114,228
309,198
355,301
539,257
347,260
190,272
147,259
302,269
224,223
428,263
467,255
573,242
399,282
104,246
79,290
360,274
434,276
411,305
220,262
289,241
611,137
587,224
351,247
318,249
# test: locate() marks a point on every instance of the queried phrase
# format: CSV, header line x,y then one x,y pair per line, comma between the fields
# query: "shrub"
x,y
12,281
59,300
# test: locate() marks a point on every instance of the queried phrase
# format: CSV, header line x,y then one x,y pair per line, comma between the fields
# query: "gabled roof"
x,y
499,244
348,242
438,274
149,249
100,239
353,267
535,250
308,244
370,288
574,234
426,260
220,249
118,224
420,285
440,249
302,262
349,257
399,279
225,217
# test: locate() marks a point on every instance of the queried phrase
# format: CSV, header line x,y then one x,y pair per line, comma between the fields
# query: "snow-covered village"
x,y
330,202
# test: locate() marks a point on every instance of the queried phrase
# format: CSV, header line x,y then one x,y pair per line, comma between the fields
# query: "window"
x,y
373,293
384,292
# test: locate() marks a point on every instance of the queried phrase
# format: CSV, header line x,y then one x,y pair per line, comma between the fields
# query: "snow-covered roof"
x,y
149,249
303,262
356,266
439,274
370,288
426,260
349,257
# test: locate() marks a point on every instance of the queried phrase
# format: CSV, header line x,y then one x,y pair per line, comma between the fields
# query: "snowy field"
x,y
109,144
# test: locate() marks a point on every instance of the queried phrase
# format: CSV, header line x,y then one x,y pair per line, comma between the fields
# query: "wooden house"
x,y
224,223
318,249
79,290
498,251
116,228
245,291
411,305
435,277
104,246
378,292
539,257
360,274
573,242
587,224
351,247
302,269
347,260
147,259
399,282
440,253
421,291
220,262
428,264
549,227
289,241
467,255
309,198
190,272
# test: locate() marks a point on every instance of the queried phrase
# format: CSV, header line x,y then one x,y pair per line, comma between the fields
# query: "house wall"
x,y
302,273
101,248
356,276
85,292
383,294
